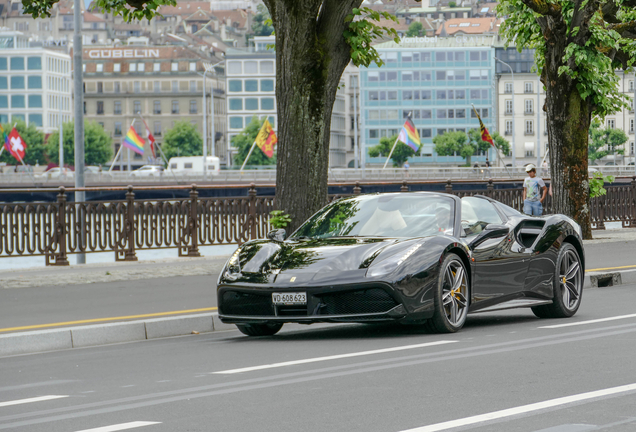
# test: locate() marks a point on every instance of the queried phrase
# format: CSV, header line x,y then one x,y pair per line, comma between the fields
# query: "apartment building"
x,y
35,83
161,84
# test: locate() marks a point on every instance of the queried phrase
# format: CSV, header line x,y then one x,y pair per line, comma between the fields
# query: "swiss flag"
x,y
151,140
15,145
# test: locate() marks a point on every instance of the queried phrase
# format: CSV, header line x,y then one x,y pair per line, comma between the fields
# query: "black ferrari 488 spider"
x,y
415,257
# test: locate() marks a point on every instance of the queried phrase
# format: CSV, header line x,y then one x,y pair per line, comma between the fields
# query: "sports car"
x,y
412,257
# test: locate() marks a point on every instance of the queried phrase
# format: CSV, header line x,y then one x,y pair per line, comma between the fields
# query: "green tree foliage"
x,y
182,140
415,29
34,139
98,147
363,31
401,153
605,141
452,143
243,142
262,22
474,136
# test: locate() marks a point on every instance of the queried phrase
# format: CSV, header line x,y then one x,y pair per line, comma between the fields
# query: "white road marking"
x,y
121,426
35,399
334,357
523,409
590,321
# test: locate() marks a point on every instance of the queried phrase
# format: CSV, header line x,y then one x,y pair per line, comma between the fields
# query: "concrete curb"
x,y
104,334
602,279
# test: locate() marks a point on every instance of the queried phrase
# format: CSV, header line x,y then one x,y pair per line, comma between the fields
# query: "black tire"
x,y
567,285
268,329
451,297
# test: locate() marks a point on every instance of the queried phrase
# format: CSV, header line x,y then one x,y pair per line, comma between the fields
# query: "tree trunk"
x,y
568,123
311,54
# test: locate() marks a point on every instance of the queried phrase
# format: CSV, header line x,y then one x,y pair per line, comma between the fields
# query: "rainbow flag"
x,y
409,136
134,141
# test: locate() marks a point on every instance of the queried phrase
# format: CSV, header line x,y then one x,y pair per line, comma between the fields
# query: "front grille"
x,y
373,300
292,310
246,304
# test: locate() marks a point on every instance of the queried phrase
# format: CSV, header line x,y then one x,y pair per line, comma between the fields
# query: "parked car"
x,y
148,171
55,173
417,257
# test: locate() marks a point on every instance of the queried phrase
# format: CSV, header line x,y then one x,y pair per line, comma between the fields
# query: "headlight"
x,y
391,263
233,265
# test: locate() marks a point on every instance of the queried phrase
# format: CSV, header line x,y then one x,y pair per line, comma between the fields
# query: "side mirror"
x,y
277,235
491,231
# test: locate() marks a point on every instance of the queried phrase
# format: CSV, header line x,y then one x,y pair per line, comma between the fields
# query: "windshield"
x,y
386,215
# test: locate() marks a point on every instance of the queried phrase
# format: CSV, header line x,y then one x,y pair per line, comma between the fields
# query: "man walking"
x,y
534,192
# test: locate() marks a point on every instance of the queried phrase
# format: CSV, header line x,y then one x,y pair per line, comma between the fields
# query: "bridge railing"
x,y
124,226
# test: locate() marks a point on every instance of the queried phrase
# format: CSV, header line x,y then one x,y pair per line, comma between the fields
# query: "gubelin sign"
x,y
123,53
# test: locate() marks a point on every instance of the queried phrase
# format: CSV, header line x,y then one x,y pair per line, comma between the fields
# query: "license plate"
x,y
291,298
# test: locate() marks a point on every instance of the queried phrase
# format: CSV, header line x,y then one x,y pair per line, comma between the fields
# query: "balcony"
x,y
528,112
508,132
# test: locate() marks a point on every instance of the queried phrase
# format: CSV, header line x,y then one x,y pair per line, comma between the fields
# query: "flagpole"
x,y
115,158
496,149
166,160
248,156
147,136
29,173
395,143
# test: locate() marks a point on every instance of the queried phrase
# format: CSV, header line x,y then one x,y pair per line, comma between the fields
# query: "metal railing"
x,y
124,226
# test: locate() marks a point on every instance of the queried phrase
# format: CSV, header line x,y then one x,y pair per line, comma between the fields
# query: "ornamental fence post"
x,y
633,203
252,211
404,187
193,223
449,187
357,189
59,258
490,189
130,254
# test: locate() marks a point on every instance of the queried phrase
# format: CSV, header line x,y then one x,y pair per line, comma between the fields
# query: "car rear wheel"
x,y
268,329
567,286
451,297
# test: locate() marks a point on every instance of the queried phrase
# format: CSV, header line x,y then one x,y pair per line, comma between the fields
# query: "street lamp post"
x,y
208,68
514,158
80,196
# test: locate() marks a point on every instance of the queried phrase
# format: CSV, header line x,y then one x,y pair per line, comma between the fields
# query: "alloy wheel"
x,y
455,293
570,279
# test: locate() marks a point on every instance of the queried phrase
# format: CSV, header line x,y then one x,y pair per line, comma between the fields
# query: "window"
x,y
100,87
508,127
17,63
117,67
141,67
174,67
192,67
459,94
373,133
440,56
267,103
251,67
373,76
267,67
236,104
100,107
251,104
132,67
407,76
476,214
117,129
528,105
631,148
426,133
460,56
17,82
193,107
175,86
529,127
117,107
157,87
440,75
175,107
35,119
234,67
35,101
631,86
236,122
441,113
251,85
460,113
267,85
3,63
527,87
156,67
35,82
117,87
156,107
4,101
475,94
474,56
631,125
100,67
34,63
137,107
157,129
508,106
407,95
441,94
137,87
508,87
391,76
373,95
611,124
235,85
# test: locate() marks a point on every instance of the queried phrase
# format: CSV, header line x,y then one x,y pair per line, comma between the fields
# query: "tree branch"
x,y
542,7
581,20
626,30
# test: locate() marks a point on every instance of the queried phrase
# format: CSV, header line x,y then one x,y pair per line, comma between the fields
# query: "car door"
x,y
499,264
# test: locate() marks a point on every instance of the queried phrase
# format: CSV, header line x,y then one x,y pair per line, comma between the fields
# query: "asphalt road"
x,y
71,303
502,372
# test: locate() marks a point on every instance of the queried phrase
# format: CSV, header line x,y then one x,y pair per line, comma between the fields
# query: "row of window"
x,y
35,119
18,82
250,67
438,56
529,127
156,131
18,63
267,85
453,113
239,122
528,105
424,132
528,87
156,87
20,101
475,94
141,67
423,76
251,104
156,108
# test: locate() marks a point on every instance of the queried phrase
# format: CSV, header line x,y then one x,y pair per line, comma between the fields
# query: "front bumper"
x,y
359,303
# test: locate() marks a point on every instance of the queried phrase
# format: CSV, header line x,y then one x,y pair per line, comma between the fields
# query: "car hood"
x,y
301,261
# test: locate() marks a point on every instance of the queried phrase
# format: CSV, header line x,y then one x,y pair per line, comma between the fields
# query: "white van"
x,y
194,165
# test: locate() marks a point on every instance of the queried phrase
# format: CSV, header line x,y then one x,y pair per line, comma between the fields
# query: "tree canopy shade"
x,y
415,29
182,140
451,143
579,45
261,24
243,142
400,155
604,142
98,144
34,139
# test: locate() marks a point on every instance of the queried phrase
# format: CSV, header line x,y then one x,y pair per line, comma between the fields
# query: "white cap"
x,y
530,167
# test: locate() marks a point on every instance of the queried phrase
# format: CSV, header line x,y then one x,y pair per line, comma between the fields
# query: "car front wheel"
x,y
451,297
268,329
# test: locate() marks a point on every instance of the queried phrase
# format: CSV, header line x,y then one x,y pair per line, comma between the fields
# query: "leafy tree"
x,y
315,41
452,4
262,22
474,136
605,141
34,140
415,29
452,143
243,142
579,45
98,145
400,155
182,140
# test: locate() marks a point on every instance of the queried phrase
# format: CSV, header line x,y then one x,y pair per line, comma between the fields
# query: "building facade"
x,y
436,81
35,83
161,85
